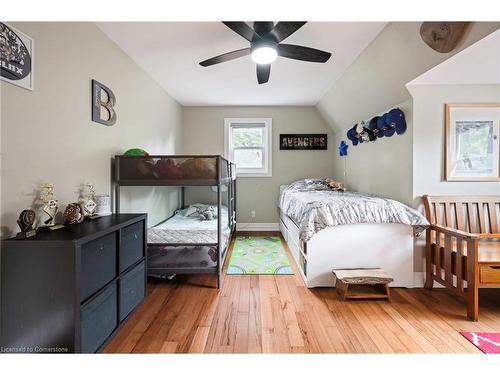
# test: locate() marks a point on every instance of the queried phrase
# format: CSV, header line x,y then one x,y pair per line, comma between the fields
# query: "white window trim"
x,y
268,153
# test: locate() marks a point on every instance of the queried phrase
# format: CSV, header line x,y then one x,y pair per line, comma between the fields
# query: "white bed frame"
x,y
387,246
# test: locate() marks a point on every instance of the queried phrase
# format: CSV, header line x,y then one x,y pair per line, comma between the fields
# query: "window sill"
x,y
253,175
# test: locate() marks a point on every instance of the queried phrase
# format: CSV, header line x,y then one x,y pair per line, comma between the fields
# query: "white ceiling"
x,y
170,53
477,64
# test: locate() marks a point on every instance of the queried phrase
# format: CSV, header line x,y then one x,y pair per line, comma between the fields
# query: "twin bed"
x,y
327,230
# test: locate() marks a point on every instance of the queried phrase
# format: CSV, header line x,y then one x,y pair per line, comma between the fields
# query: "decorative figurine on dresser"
x,y
73,214
49,206
26,221
88,201
71,290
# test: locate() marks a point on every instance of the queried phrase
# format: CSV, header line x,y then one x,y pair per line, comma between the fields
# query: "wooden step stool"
x,y
370,283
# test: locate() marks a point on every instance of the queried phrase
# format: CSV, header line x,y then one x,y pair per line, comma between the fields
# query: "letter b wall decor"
x,y
102,105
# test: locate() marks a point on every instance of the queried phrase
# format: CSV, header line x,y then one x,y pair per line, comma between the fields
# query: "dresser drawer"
x,y
132,245
132,286
489,274
98,264
98,319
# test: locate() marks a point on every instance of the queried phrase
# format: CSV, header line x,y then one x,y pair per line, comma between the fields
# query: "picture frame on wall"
x,y
472,136
16,57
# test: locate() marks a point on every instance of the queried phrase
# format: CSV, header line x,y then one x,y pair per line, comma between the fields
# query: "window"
x,y
248,143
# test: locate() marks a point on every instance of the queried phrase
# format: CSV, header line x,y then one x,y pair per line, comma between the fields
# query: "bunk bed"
x,y
183,244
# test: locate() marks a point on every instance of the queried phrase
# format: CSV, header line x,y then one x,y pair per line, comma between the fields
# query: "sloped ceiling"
x,y
376,80
478,64
170,53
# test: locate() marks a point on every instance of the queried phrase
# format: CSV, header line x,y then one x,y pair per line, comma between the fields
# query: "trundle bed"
x,y
183,243
322,245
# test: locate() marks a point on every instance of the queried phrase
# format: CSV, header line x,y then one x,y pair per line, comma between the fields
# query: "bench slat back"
x,y
473,214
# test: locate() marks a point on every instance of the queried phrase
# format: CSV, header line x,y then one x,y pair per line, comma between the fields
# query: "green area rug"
x,y
258,256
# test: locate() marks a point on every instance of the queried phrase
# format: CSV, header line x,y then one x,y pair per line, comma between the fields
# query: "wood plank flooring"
x,y
278,314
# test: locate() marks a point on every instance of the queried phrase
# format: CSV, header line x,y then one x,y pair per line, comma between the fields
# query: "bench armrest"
x,y
453,232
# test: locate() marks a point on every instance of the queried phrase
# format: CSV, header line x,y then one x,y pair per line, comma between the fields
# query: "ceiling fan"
x,y
265,46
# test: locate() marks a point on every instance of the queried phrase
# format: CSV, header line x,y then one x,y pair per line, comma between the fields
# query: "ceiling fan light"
x,y
264,55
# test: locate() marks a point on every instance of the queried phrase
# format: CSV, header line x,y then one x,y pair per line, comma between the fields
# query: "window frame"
x,y
267,149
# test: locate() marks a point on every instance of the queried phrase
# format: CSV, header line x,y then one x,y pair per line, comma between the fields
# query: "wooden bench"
x,y
463,245
362,283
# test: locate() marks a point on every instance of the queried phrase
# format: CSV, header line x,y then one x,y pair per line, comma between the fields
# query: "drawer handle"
x,y
101,248
495,267
135,236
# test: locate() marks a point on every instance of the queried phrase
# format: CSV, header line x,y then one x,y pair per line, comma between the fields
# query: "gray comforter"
x,y
314,206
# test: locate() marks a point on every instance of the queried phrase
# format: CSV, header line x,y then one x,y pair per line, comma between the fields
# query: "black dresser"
x,y
71,289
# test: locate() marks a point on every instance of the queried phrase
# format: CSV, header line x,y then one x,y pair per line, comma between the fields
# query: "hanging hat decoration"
x,y
373,127
343,148
379,126
364,132
353,136
385,126
396,120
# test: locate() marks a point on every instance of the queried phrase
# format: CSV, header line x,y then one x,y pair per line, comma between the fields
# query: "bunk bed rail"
x,y
173,170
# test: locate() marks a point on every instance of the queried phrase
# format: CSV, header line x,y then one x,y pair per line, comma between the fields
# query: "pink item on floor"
x,y
487,342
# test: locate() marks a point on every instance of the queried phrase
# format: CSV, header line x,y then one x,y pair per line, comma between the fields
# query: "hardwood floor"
x,y
278,314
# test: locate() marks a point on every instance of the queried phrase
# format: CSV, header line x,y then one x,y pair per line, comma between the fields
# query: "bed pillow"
x,y
202,211
311,184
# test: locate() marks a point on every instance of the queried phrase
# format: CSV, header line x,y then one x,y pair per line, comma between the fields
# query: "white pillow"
x,y
190,211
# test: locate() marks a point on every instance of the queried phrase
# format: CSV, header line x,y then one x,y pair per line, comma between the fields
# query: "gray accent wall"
x,y
47,134
203,129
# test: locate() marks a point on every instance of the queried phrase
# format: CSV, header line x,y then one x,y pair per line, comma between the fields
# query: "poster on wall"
x,y
472,142
16,57
303,142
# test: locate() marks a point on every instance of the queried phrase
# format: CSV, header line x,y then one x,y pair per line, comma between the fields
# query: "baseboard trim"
x,y
254,227
419,280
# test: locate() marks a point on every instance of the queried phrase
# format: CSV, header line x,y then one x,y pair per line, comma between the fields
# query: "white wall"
x,y
48,135
204,134
429,140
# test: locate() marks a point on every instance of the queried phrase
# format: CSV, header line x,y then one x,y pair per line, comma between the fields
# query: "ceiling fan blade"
x,y
283,30
263,72
226,57
303,53
263,27
242,28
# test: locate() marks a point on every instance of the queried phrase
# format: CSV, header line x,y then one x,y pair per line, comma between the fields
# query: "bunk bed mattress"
x,y
180,229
